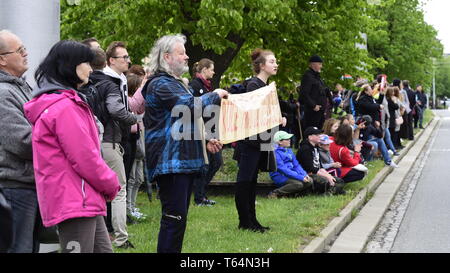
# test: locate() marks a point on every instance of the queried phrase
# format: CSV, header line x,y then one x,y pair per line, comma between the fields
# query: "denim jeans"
x,y
388,140
379,143
26,220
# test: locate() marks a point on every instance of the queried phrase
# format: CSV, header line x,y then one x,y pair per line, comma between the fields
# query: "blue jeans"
x,y
379,144
388,140
26,220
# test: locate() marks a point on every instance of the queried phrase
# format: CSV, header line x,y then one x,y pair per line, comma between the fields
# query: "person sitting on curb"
x,y
328,163
309,158
290,178
343,151
373,134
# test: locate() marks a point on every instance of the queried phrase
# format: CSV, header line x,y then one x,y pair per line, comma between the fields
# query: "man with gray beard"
x,y
174,159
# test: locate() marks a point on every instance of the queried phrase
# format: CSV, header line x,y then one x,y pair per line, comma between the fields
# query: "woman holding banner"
x,y
251,153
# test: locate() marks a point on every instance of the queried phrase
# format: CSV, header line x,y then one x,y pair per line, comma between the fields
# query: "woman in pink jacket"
x,y
72,180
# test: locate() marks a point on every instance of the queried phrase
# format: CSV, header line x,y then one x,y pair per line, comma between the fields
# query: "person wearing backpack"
x,y
249,152
112,84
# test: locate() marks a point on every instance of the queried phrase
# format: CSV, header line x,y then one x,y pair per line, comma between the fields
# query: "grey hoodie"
x,y
16,154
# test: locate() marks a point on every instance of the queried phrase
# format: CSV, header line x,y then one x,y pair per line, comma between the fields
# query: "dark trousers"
x,y
84,235
395,137
201,182
314,119
174,192
26,218
353,175
410,126
245,195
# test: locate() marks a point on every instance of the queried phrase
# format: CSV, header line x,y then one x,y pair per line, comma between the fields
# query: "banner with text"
x,y
248,114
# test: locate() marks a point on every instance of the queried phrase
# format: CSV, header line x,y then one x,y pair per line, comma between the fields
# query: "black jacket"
x,y
411,97
392,108
309,158
367,105
313,90
199,88
121,118
267,161
422,97
364,134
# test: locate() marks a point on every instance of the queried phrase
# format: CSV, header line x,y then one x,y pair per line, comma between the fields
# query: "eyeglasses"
x,y
125,57
21,50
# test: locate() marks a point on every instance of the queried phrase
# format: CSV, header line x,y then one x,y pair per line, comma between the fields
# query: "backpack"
x,y
96,100
239,88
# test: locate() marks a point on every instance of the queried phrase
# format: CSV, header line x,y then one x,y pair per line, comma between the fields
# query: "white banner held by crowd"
x,y
248,114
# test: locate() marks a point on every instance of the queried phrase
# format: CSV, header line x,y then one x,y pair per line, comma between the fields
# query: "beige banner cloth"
x,y
248,114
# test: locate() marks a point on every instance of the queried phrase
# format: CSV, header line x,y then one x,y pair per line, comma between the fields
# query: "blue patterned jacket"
x,y
165,97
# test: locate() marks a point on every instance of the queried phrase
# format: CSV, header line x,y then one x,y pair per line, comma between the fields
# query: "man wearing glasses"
x,y
16,156
117,127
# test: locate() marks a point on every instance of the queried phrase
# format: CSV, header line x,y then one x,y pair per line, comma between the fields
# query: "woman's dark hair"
x,y
344,135
133,82
203,63
258,58
59,66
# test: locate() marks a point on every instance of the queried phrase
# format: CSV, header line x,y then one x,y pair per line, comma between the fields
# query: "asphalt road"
x,y
418,220
426,225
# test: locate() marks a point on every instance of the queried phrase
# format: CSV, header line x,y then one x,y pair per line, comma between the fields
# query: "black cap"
x,y
312,131
315,59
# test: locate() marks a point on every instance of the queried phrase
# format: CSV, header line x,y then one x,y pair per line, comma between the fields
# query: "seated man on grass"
x,y
309,158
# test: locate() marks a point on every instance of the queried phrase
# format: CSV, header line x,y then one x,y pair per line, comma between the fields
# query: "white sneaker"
x,y
393,165
391,153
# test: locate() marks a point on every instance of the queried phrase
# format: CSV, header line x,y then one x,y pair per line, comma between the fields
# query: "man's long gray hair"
x,y
164,45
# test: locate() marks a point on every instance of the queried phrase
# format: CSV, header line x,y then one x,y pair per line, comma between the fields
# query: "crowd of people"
x,y
75,148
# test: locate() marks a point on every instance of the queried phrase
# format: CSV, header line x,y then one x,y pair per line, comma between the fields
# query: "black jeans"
x,y
247,177
353,175
200,183
175,192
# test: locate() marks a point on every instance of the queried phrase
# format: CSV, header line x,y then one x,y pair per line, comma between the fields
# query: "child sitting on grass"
x,y
290,178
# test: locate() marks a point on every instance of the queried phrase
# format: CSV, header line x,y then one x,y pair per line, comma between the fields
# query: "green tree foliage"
x,y
226,31
402,38
442,70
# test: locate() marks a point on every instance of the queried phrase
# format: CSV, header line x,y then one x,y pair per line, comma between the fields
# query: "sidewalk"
x,y
348,235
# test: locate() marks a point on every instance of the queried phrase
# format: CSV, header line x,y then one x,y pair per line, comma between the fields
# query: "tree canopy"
x,y
399,42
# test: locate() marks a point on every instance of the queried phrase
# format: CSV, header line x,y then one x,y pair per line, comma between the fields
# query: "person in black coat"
x,y
314,94
250,153
422,105
412,103
367,105
201,84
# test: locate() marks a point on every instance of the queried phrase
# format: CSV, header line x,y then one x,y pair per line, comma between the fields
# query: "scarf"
x,y
206,83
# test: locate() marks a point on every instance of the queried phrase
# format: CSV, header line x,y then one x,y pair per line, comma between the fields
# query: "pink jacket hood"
x,y
72,179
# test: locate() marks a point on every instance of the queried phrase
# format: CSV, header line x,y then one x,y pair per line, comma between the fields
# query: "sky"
x,y
437,15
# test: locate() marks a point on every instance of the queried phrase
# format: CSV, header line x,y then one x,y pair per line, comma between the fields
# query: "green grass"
x,y
294,222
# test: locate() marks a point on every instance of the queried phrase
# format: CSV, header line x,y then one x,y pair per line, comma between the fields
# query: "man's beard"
x,y
179,69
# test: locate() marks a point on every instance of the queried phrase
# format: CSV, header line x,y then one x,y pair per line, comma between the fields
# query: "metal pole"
x,y
434,88
36,23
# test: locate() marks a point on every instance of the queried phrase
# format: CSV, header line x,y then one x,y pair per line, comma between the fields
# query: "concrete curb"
x,y
355,236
